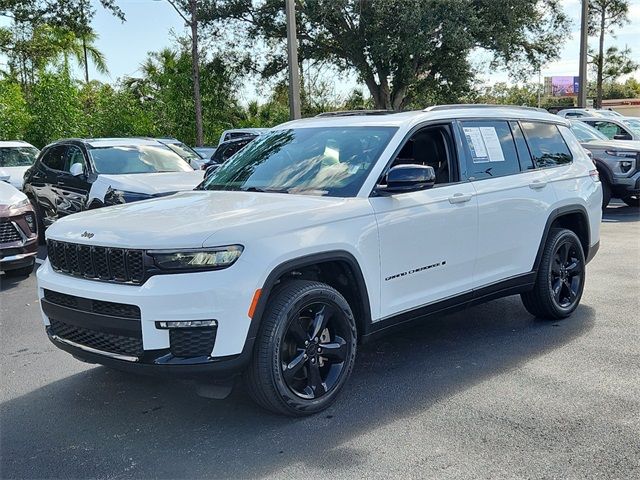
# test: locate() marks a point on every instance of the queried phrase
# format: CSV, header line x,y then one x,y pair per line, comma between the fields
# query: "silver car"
x,y
617,161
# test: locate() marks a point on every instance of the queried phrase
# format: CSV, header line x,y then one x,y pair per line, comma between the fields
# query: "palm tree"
x,y
81,47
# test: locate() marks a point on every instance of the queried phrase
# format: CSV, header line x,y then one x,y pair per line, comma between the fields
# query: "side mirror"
x,y
76,169
623,136
408,178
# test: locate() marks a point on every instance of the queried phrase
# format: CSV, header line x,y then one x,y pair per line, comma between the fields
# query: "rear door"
x,y
43,182
513,198
72,191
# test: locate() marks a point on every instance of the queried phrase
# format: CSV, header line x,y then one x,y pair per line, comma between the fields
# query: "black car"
x,y
79,174
225,151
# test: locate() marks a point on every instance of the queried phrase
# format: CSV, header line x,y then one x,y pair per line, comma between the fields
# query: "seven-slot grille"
x,y
120,265
9,233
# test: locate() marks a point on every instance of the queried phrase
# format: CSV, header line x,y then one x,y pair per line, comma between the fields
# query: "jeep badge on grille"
x,y
87,234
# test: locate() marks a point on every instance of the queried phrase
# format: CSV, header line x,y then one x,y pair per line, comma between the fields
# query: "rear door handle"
x,y
537,184
460,198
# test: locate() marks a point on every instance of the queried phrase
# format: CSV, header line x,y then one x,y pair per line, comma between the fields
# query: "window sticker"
x,y
492,144
484,144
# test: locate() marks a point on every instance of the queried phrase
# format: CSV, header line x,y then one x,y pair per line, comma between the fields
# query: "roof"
x,y
442,112
14,144
111,142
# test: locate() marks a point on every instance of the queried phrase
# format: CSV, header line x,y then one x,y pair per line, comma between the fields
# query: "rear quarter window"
x,y
546,144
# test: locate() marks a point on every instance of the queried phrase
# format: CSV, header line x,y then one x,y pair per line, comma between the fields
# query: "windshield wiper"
x,y
265,190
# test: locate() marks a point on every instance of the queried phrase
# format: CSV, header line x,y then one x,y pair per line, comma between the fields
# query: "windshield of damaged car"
x,y
332,161
137,159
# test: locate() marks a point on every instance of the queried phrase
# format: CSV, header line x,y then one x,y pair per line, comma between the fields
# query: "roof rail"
x,y
348,113
437,108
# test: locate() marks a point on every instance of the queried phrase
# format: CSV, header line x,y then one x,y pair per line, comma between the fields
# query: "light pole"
x,y
292,53
582,93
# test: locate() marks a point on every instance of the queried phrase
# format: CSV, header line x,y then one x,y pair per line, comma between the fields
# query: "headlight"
x,y
621,153
201,259
21,203
116,197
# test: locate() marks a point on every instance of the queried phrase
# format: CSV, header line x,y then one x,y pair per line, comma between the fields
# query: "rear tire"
x,y
39,219
560,279
305,349
606,193
632,200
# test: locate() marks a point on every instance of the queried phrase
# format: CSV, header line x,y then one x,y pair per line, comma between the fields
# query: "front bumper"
x,y
117,325
623,187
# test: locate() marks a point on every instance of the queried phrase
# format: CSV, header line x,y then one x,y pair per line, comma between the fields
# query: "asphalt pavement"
x,y
486,393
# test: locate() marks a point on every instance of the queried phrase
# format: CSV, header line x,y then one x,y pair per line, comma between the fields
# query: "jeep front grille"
x,y
118,265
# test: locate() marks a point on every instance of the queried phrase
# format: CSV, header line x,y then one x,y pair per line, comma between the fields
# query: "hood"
x,y
153,183
188,219
9,195
615,144
13,175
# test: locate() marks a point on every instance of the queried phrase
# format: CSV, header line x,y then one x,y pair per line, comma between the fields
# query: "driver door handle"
x,y
460,198
538,184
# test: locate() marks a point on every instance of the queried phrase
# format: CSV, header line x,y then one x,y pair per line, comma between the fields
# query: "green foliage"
x,y
55,108
14,117
403,48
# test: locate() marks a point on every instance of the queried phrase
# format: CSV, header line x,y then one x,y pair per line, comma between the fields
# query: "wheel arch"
x,y
338,268
571,217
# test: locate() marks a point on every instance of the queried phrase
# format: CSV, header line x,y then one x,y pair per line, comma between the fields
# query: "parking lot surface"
x,y
489,392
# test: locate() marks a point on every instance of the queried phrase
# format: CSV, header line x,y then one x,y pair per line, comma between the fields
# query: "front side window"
x,y
137,159
609,129
490,148
74,155
546,144
331,161
17,156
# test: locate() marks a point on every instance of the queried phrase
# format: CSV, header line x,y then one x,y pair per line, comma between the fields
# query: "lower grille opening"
x,y
105,342
192,342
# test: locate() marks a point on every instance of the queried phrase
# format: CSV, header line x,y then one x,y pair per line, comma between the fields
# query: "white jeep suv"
x,y
321,234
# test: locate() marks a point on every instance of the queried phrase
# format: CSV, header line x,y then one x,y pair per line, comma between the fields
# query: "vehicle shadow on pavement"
x,y
103,423
619,212
7,283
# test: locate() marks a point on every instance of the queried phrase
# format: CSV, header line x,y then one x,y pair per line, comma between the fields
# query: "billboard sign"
x,y
562,86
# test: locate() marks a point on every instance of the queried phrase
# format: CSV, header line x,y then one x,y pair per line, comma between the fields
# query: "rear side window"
x,y
546,144
490,148
54,157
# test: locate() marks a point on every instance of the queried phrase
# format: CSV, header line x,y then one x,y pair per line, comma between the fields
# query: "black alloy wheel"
x,y
314,350
566,274
305,349
560,277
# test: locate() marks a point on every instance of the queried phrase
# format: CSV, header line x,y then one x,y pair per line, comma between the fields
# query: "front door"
x,y
427,238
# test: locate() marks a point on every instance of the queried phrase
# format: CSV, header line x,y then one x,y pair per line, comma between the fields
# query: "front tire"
x,y
560,279
606,193
305,349
20,272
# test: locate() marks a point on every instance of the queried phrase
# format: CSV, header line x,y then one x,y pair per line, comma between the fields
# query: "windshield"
x,y
18,156
586,133
185,152
137,159
332,161
633,124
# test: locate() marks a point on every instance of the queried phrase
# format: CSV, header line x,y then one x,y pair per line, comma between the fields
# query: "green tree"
x,y
615,64
399,48
55,109
604,17
14,117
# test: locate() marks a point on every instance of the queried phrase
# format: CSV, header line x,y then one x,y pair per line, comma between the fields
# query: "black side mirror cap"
x,y
407,178
622,137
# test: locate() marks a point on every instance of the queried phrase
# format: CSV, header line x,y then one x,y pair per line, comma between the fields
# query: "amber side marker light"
x,y
254,302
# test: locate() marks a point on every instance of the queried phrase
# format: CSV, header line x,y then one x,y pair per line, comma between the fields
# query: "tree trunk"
x,y
86,60
600,64
195,60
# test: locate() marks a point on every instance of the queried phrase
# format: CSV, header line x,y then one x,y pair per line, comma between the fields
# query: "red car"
x,y
18,232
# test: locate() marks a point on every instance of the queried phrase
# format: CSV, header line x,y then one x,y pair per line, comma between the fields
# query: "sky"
x,y
150,24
